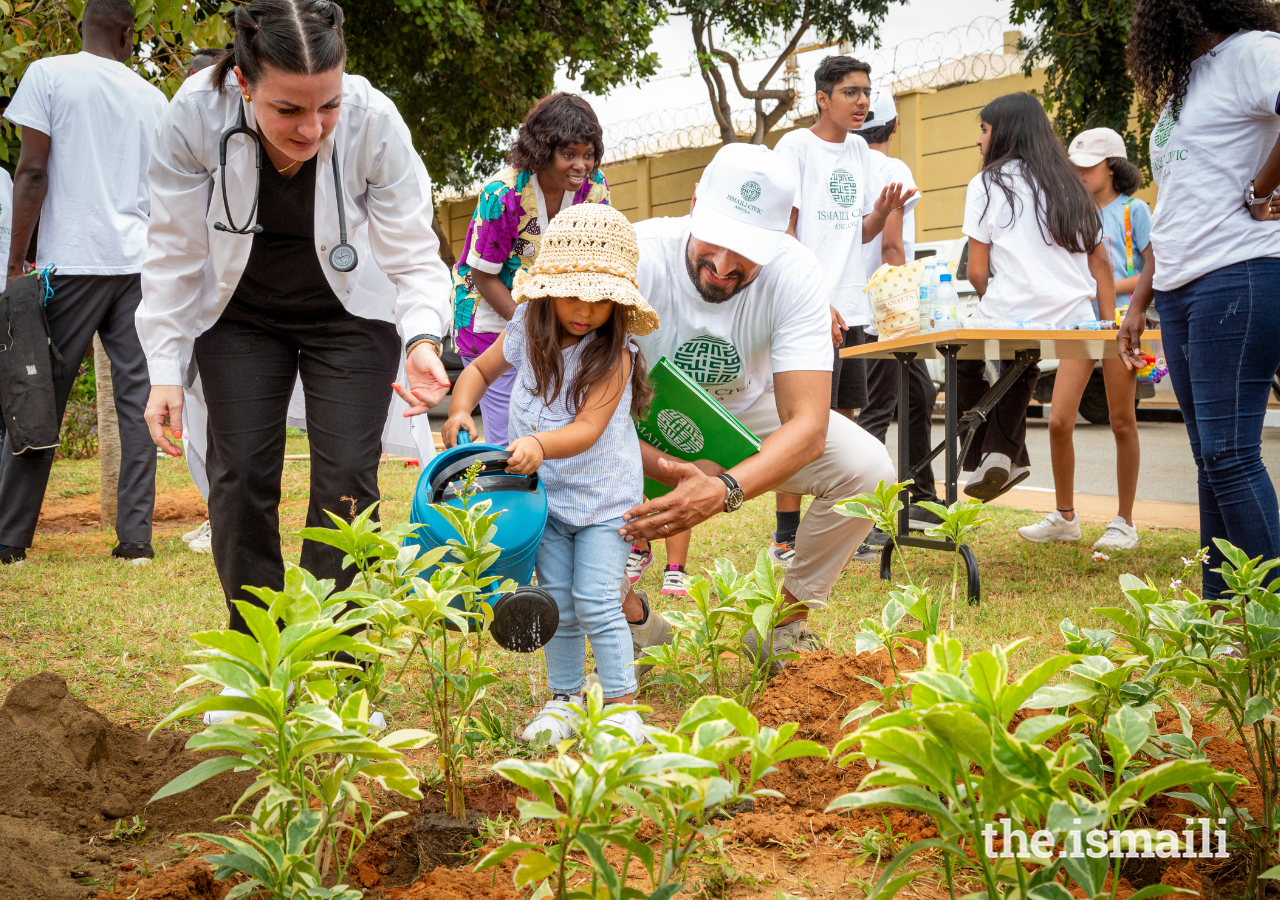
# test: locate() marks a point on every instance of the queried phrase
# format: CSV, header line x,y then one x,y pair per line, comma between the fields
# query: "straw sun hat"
x,y
589,252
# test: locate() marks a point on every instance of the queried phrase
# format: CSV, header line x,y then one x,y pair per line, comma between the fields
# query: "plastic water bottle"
x,y
927,292
945,304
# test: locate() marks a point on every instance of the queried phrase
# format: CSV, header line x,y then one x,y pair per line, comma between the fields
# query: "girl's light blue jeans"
x,y
582,568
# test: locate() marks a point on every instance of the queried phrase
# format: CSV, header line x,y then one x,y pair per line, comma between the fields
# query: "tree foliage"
x,y
165,33
753,26
464,72
1082,47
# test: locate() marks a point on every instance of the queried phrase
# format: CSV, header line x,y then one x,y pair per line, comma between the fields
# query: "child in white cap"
x,y
1102,159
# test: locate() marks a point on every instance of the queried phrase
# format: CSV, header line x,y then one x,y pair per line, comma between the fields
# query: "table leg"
x,y
950,385
904,442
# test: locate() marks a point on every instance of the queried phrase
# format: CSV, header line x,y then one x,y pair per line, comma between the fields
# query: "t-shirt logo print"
x,y
709,360
843,187
750,191
680,430
1164,127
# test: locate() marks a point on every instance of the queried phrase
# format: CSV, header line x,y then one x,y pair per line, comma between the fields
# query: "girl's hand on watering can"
x,y
455,423
526,456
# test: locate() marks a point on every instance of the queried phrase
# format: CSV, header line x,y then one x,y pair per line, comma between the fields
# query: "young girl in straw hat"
x,y
579,380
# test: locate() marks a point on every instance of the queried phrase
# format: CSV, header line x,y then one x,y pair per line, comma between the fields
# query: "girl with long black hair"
x,y
1213,69
1034,256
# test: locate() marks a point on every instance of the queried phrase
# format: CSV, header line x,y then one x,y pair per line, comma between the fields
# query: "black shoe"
x,y
876,539
137,552
922,519
12,556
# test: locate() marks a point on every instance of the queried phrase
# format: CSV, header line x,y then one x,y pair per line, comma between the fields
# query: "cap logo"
x,y
750,191
843,187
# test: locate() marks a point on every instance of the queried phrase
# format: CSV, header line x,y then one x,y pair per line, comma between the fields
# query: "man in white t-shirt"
x,y
836,213
743,309
87,123
895,246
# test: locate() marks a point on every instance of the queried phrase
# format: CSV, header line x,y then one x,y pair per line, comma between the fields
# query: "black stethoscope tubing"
x,y
343,257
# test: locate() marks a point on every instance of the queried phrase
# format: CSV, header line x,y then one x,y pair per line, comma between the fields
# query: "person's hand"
x,y
893,197
165,402
696,497
1129,339
837,327
526,456
1266,212
457,421
427,380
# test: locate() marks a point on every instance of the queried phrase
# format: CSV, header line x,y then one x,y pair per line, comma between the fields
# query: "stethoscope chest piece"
x,y
343,257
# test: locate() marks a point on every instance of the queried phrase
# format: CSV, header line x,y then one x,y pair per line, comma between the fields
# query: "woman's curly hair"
x,y
1166,35
557,120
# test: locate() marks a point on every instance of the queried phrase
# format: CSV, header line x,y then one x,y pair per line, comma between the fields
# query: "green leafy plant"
x,y
308,757
959,520
881,507
886,635
132,832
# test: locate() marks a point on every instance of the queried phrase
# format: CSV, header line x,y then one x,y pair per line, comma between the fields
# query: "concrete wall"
x,y
937,135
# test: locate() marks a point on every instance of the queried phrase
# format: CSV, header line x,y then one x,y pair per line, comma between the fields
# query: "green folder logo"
x,y
710,360
843,187
680,430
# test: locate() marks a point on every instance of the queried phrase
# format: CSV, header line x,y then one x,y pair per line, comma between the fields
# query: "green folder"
x,y
684,421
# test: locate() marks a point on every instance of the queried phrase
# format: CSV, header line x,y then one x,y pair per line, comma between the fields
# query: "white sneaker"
x,y
218,716
1120,535
203,543
1052,527
557,718
638,561
199,532
630,723
989,480
377,720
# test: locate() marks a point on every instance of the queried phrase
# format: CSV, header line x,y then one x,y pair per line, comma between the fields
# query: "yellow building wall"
x,y
937,138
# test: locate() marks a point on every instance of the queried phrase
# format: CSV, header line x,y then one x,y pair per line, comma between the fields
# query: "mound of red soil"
x,y
84,513
456,884
190,879
68,772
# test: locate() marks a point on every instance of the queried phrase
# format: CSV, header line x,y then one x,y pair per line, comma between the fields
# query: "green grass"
x,y
118,633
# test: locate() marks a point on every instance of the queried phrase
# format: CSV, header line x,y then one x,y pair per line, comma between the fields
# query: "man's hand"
x,y
165,402
893,197
427,380
1129,339
696,497
457,421
837,327
526,456
1266,212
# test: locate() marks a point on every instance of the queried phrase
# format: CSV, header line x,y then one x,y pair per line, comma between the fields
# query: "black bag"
x,y
27,360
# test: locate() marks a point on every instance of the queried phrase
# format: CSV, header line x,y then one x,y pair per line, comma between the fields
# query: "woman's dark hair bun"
x,y
300,37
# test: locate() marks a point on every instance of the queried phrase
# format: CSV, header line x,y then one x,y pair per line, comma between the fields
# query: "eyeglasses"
x,y
852,93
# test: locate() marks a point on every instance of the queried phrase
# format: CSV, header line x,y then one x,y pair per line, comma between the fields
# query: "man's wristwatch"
x,y
1251,199
733,500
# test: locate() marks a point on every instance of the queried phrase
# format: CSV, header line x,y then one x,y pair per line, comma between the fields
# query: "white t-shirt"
x,y
6,215
101,118
778,323
1032,278
887,170
1226,126
834,192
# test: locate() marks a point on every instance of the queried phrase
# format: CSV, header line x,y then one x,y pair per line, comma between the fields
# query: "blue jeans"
x,y
1222,344
582,568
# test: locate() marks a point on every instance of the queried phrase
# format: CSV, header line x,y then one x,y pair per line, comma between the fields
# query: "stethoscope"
x,y
342,257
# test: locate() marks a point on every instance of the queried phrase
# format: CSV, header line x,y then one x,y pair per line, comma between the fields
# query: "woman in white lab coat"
x,y
252,273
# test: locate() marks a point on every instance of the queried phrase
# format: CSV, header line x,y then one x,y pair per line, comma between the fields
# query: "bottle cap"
x,y
945,276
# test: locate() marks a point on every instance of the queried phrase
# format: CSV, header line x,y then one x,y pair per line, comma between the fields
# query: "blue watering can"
x,y
523,619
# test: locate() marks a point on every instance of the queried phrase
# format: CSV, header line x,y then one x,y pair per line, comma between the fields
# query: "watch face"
x,y
735,498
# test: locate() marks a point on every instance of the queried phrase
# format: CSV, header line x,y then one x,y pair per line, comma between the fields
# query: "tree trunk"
x,y
108,434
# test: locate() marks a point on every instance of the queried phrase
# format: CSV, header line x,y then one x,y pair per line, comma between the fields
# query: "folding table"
x,y
1025,349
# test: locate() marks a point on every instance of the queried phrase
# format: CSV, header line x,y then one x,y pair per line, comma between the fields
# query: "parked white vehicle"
x,y
1093,404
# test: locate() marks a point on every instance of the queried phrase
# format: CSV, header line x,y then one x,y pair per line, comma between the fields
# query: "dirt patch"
x,y
82,513
69,772
456,884
190,879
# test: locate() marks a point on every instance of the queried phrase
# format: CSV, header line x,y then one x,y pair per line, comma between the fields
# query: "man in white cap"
x,y
895,246
743,309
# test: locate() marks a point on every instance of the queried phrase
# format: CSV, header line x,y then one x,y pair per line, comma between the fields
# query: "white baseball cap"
x,y
1088,148
882,111
744,203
